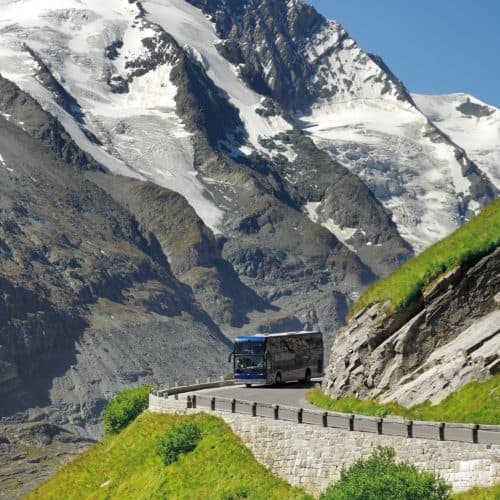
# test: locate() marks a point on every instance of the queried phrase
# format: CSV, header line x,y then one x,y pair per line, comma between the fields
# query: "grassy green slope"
x,y
477,403
492,493
126,466
473,240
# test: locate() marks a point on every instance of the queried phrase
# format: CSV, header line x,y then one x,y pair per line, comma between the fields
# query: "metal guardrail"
x,y
180,389
439,431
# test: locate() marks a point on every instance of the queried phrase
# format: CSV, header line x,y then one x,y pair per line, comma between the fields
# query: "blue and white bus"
x,y
278,357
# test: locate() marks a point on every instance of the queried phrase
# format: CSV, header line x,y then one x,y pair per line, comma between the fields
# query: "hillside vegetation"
x,y
127,466
477,238
381,477
491,493
475,403
126,406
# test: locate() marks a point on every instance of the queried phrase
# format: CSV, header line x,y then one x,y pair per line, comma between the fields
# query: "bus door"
x,y
269,367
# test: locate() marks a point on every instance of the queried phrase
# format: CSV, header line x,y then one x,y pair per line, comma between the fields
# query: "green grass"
x,y
475,403
492,493
126,466
472,241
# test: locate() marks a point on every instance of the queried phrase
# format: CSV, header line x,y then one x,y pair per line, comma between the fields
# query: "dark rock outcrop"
x,y
32,453
192,251
88,301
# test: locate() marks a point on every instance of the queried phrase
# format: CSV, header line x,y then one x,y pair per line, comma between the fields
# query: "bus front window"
x,y
248,363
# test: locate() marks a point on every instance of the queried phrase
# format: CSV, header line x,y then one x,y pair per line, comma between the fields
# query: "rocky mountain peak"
x,y
243,166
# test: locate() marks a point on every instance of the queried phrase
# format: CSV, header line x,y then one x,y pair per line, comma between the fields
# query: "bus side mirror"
x,y
230,356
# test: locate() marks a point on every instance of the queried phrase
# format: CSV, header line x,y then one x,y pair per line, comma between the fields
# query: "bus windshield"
x,y
246,363
250,348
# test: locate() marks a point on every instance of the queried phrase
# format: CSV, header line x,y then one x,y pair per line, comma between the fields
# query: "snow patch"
x,y
343,234
191,28
343,70
142,135
384,142
474,206
478,135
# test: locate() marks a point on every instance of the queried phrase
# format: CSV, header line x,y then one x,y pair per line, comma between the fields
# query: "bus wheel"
x,y
248,385
278,380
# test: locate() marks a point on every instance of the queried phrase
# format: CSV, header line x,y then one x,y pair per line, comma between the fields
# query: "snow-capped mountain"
x,y
252,111
115,60
353,106
370,123
471,124
250,169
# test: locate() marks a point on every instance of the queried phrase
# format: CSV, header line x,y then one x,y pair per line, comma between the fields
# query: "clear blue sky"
x,y
434,46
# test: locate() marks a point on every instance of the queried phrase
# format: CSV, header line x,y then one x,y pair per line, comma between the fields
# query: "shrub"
x,y
239,493
124,408
180,440
380,477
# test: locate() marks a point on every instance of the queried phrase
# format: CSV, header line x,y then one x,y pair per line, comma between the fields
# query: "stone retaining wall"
x,y
311,457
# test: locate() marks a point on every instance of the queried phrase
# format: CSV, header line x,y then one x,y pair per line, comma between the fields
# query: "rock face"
x,y
246,244
449,338
405,148
32,453
88,300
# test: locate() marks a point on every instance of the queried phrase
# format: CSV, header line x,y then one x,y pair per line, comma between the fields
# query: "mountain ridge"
x,y
268,168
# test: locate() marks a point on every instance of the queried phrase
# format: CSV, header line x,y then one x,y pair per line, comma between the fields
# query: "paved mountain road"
x,y
291,394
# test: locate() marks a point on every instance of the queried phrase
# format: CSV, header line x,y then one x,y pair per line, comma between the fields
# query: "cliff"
x,y
445,338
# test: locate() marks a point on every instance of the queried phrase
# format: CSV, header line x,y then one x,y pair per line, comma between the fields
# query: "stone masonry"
x,y
312,457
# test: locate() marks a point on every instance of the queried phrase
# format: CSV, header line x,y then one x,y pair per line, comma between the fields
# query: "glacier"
x,y
412,151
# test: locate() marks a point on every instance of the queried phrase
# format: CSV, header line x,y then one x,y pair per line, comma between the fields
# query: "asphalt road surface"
x,y
290,394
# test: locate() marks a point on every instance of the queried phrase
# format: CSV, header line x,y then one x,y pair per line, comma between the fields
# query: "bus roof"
x,y
261,337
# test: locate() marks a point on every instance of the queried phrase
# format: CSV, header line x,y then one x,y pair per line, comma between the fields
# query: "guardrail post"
x,y
379,425
233,405
409,428
300,415
351,422
276,410
324,419
212,404
176,397
254,409
193,400
475,435
441,431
